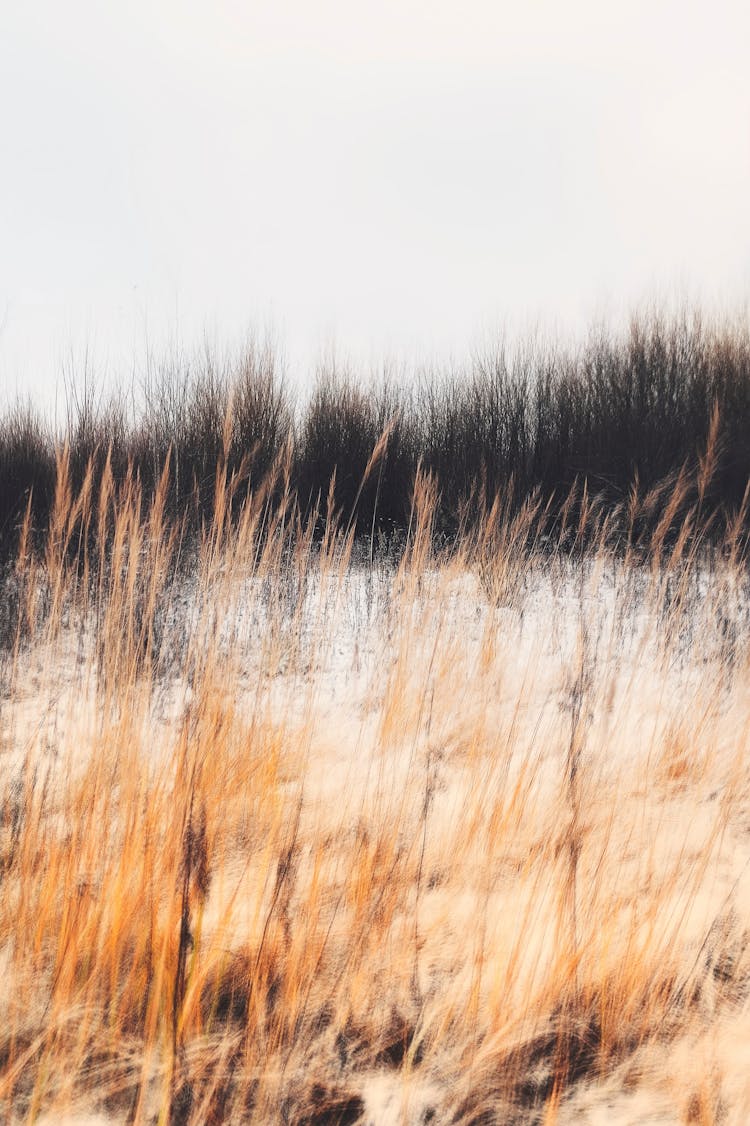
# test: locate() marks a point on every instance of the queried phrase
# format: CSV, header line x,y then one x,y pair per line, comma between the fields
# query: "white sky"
x,y
397,177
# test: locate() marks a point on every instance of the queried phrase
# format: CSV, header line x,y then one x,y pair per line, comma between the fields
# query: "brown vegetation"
x,y
457,838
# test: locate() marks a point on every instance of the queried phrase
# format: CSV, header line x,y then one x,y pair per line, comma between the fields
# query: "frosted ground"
x,y
460,729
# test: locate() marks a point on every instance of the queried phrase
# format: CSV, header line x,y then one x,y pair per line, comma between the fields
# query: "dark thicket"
x,y
27,466
363,444
623,411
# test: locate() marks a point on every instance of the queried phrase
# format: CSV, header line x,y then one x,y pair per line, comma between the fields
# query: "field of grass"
x,y
294,829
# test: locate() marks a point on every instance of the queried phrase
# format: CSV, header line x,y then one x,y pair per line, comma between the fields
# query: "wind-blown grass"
x,y
459,836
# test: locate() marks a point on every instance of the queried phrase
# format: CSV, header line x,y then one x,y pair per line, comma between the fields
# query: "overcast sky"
x,y
395,177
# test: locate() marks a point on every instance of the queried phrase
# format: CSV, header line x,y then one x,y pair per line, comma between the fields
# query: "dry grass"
x,y
464,838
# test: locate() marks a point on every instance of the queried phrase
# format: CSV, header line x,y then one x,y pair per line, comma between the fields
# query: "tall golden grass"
x,y
459,837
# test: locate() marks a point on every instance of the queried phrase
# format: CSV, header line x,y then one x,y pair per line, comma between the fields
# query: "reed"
x,y
456,835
